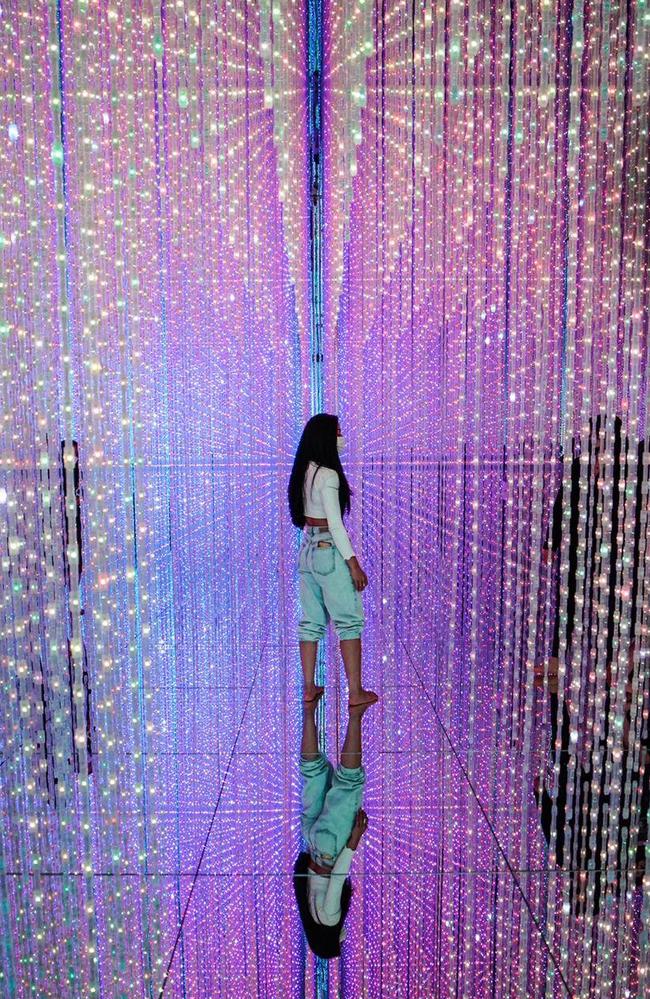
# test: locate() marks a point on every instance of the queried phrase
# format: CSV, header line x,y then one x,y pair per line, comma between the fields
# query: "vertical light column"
x,y
153,308
488,292
316,193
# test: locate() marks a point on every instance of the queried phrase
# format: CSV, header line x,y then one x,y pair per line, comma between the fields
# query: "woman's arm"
x,y
332,509
332,902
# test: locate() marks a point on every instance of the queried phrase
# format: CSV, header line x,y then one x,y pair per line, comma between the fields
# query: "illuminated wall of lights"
x,y
487,293
485,245
155,293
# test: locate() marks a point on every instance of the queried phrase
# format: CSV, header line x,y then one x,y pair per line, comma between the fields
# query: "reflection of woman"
x,y
330,574
332,823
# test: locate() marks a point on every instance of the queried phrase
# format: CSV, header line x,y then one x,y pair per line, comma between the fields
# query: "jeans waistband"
x,y
317,533
324,859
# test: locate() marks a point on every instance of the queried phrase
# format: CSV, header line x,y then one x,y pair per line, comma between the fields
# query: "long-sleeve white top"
x,y
324,894
321,500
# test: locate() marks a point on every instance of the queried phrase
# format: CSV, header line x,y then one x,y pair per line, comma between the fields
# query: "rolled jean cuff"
x,y
311,633
351,776
311,768
353,632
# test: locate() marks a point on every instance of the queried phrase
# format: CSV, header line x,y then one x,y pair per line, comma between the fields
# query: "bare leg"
x,y
351,750
308,652
309,744
351,652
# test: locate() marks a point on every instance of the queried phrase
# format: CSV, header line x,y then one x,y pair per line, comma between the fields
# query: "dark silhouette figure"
x,y
68,530
591,794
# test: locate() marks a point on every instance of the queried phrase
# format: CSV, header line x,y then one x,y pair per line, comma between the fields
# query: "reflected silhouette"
x,y
332,825
599,821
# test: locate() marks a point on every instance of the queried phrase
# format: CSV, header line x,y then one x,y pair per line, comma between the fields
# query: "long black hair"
x,y
318,443
323,940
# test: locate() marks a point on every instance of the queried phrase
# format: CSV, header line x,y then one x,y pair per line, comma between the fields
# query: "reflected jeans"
x,y
330,802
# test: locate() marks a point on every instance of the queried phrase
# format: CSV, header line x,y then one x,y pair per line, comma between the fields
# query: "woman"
x,y
331,578
332,823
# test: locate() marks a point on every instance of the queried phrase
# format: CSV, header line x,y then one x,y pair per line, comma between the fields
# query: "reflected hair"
x,y
318,444
323,940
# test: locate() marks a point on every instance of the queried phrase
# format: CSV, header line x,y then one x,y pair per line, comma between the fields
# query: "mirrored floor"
x,y
168,871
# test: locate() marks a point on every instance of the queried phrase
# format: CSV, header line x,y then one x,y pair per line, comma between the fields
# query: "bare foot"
x,y
358,710
312,694
363,699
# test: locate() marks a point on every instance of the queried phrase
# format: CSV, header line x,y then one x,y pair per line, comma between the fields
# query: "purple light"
x,y
485,296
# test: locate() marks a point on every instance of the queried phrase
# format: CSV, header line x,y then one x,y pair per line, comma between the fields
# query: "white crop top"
x,y
322,501
324,893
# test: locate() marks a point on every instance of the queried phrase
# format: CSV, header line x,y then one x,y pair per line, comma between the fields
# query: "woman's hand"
x,y
358,829
359,577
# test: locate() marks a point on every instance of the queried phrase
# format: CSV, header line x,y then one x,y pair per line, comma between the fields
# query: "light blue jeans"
x,y
326,590
330,802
